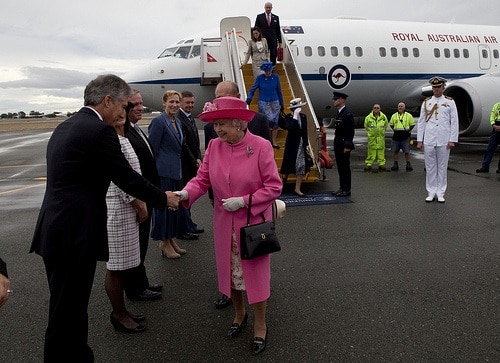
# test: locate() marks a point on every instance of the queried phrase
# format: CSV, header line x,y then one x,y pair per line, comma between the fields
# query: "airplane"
x,y
373,61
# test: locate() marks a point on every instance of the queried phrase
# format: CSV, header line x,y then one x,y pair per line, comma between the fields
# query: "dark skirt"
x,y
165,221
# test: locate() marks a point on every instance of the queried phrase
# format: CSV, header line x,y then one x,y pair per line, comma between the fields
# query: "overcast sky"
x,y
51,49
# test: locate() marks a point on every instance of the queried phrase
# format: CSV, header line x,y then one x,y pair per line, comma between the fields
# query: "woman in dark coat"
x,y
294,156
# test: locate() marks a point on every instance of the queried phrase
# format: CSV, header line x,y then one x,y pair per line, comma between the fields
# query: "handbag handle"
x,y
249,208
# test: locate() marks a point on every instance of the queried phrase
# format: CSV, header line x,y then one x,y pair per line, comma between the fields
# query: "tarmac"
x,y
387,278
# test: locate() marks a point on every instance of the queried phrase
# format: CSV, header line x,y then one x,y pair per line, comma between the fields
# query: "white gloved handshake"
x,y
183,194
233,204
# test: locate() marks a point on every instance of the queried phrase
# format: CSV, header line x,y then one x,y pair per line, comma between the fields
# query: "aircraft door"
x,y
484,56
211,61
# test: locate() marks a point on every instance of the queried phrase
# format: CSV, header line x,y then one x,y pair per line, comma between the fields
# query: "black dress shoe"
x,y
123,329
337,192
139,318
259,344
155,287
343,194
189,236
482,170
146,295
222,302
235,329
199,230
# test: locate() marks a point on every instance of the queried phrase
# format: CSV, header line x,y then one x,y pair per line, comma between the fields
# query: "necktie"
x,y
268,19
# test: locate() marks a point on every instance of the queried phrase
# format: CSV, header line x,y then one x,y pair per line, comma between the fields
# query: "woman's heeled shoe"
x,y
180,251
166,254
236,329
123,329
259,344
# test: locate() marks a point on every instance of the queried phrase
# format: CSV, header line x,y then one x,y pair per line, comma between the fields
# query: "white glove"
x,y
296,113
233,204
183,194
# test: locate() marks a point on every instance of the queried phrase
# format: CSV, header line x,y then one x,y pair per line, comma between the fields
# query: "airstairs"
x,y
235,33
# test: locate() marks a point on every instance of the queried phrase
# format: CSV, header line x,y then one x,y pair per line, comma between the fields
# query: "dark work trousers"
x,y
70,284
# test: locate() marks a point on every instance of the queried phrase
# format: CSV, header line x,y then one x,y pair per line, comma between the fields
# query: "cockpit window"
x,y
168,52
182,52
195,52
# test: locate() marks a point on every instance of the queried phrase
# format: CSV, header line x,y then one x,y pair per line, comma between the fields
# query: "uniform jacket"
x,y
438,127
238,170
271,32
167,146
191,148
495,113
375,127
344,130
83,157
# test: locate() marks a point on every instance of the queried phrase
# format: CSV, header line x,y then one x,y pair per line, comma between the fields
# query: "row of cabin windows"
x,y
394,52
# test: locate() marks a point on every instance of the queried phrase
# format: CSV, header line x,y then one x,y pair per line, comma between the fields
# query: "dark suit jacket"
x,y
191,148
144,152
272,33
260,126
83,156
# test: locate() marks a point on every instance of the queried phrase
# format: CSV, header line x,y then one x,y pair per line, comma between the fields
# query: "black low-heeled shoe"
x,y
259,344
235,329
123,329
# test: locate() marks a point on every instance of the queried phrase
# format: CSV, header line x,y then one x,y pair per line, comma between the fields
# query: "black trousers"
x,y
343,161
135,279
70,284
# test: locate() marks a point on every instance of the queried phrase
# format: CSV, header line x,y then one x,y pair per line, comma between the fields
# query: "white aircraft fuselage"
x,y
372,61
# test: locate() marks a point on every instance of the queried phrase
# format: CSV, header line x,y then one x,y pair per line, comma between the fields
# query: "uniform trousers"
x,y
70,284
436,166
343,161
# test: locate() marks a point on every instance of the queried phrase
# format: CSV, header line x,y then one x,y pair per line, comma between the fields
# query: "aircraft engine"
x,y
475,98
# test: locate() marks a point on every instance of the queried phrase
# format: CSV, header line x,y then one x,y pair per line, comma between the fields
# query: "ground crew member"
x,y
494,140
376,124
402,123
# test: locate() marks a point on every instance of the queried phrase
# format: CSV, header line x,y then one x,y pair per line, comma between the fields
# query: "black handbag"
x,y
257,239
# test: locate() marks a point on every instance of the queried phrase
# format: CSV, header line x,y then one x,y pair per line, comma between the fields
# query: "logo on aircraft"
x,y
339,76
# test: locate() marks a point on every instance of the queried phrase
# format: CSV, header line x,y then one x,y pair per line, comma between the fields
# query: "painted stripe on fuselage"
x,y
322,77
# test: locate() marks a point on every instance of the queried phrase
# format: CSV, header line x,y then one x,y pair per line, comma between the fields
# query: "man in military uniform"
x,y
343,143
437,133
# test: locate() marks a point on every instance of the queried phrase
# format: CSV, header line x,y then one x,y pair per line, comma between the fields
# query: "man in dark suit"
x,y
343,143
136,281
269,24
83,157
190,159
